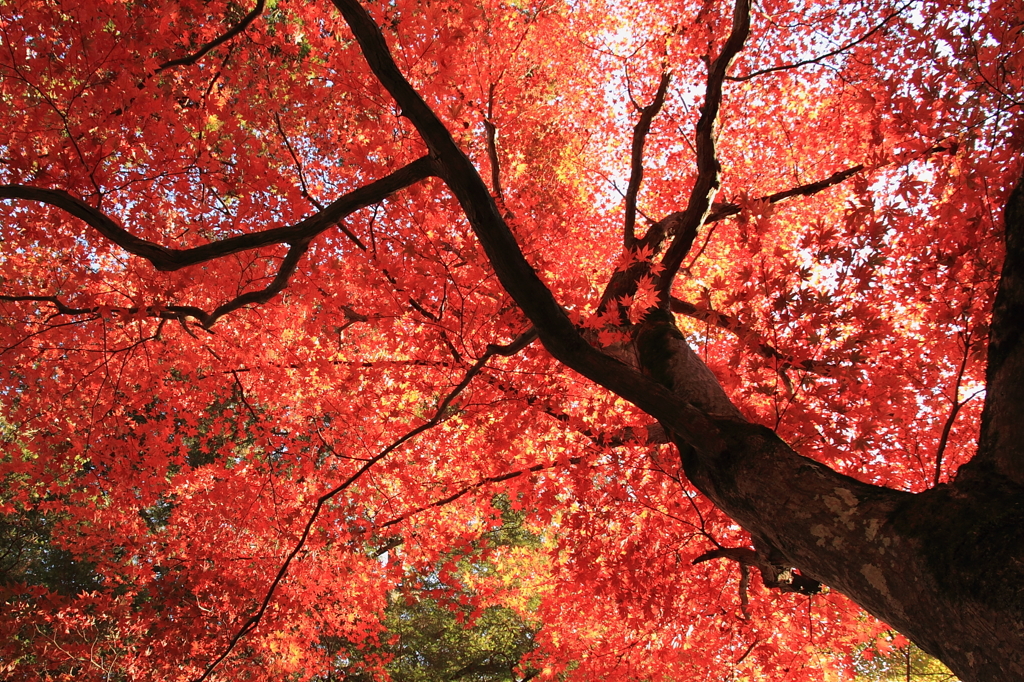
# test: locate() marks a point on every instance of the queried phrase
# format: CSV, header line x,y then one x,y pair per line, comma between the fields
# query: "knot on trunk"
x,y
775,575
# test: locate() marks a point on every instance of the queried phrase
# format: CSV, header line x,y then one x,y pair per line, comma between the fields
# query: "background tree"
x,y
894,659
273,278
441,626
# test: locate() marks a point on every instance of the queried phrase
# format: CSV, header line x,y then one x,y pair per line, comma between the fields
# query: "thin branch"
x,y
492,146
636,163
474,486
748,336
706,186
722,211
752,644
743,555
166,259
957,405
219,40
521,342
820,58
241,394
744,601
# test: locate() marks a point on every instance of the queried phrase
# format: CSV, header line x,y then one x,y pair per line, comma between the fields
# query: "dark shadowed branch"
x,y
219,40
636,162
492,146
1002,421
171,312
167,259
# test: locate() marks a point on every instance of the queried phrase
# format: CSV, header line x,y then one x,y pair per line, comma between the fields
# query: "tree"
x,y
437,631
898,660
273,278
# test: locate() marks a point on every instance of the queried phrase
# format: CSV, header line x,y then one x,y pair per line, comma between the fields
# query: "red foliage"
x,y
221,434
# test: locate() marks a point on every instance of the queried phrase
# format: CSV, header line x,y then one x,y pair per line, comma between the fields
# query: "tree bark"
x,y
945,567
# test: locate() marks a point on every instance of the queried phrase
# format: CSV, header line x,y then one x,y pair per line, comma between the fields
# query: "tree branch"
x,y
1002,421
492,145
636,176
298,166
166,259
748,336
179,312
774,576
475,486
280,281
624,282
559,336
815,60
219,40
171,312
723,211
706,186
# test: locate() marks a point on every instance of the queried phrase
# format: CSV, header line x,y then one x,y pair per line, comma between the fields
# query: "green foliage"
x,y
436,627
29,556
899,664
434,643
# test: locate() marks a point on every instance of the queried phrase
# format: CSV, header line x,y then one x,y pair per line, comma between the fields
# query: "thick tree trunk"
x,y
945,567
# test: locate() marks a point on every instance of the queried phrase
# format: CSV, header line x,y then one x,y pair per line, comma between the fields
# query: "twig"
x,y
827,55
636,163
219,40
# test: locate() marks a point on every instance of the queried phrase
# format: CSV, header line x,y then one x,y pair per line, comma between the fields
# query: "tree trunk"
x,y
945,567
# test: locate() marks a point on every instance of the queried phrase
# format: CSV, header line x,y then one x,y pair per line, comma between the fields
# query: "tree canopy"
x,y
722,301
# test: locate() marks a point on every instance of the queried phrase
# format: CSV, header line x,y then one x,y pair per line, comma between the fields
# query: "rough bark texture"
x,y
946,566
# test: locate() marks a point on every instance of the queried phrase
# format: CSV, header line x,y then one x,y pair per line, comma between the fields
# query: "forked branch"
x,y
623,283
516,275
168,259
706,186
636,163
